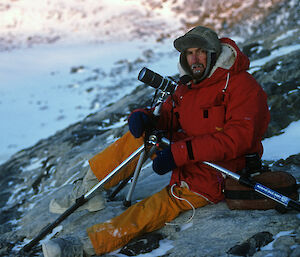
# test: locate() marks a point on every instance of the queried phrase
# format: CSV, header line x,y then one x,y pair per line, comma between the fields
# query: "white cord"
x,y
226,85
181,199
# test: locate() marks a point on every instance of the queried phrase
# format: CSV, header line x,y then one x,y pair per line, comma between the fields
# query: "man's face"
x,y
196,59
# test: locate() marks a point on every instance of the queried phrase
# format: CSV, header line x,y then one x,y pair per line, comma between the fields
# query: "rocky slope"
x,y
33,176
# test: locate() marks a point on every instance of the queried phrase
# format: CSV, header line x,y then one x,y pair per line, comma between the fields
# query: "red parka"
x,y
220,119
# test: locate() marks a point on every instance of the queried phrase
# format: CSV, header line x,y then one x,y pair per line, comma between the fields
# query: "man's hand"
x,y
164,161
138,121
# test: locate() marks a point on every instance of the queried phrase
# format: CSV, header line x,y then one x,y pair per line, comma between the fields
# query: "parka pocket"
x,y
214,117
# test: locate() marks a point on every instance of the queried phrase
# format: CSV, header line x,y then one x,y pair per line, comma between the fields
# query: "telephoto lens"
x,y
155,80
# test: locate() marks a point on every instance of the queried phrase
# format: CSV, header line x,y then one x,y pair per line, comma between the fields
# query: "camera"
x,y
155,80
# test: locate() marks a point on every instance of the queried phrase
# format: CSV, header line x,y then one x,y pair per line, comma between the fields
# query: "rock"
x,y
252,245
5,246
143,244
284,243
295,251
255,50
273,253
280,80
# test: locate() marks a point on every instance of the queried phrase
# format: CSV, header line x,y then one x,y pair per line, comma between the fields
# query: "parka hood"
x,y
231,60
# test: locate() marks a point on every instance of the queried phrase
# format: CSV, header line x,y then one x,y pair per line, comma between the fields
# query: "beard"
x,y
197,70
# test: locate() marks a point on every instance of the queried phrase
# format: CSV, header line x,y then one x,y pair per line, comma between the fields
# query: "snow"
x,y
284,145
256,64
164,247
45,96
280,234
74,18
35,164
186,226
285,35
57,229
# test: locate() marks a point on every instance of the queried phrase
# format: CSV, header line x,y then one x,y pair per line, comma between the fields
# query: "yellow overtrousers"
x,y
146,216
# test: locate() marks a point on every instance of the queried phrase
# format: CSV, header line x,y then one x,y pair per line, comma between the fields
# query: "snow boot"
x,y
96,203
63,247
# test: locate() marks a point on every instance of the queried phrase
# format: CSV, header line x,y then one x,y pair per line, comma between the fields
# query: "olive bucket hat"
x,y
199,37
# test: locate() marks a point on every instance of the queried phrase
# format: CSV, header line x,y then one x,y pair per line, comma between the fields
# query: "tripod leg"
x,y
127,201
119,188
143,157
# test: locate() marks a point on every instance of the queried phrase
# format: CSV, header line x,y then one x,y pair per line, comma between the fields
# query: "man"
x,y
220,117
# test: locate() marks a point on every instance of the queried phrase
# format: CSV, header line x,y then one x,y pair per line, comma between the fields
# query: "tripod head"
x,y
156,138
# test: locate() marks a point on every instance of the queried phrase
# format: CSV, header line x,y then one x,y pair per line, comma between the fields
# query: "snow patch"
x,y
186,226
280,234
257,64
35,164
164,246
285,35
284,145
19,246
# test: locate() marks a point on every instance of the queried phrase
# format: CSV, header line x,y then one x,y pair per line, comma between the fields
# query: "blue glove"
x,y
164,162
138,121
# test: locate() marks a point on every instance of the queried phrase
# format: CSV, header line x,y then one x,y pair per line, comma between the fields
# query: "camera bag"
x,y
240,197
